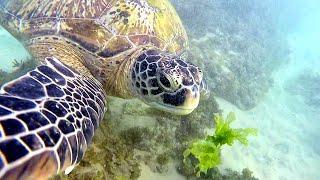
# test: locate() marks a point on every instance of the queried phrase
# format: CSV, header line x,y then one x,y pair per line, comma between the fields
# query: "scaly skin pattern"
x,y
96,31
47,120
97,21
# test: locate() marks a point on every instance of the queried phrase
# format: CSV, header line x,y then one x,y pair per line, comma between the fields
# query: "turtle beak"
x,y
184,102
190,104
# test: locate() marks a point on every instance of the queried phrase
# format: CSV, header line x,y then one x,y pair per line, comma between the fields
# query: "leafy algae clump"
x,y
224,134
207,152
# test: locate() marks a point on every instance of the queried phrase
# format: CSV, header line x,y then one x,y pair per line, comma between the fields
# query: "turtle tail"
x,y
47,120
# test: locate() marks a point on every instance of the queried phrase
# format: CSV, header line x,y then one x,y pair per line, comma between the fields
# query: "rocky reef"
x,y
307,86
130,136
107,158
237,44
227,174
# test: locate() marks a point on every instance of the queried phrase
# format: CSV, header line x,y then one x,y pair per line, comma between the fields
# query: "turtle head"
x,y
166,82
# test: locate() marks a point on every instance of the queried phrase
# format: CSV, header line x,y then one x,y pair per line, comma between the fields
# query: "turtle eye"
x,y
164,82
167,83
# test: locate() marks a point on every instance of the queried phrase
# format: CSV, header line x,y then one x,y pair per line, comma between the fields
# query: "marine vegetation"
x,y
207,152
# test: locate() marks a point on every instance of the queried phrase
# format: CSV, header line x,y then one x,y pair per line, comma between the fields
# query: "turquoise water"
x,y
10,49
288,145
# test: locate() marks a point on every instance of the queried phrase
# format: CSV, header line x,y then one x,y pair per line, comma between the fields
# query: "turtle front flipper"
x,y
47,120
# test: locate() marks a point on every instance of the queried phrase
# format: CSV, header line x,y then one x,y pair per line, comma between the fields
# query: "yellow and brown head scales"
x,y
166,82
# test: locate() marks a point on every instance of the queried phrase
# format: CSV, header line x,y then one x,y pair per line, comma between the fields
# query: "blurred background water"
x,y
287,117
10,49
272,50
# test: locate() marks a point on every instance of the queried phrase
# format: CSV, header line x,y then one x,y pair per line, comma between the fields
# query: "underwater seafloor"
x,y
261,61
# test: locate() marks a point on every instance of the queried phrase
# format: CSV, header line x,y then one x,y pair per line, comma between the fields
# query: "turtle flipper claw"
x,y
47,120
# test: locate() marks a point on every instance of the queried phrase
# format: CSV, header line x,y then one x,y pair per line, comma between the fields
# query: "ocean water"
x,y
288,144
10,50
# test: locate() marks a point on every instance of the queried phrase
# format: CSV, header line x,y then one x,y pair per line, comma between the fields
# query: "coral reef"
x,y
237,44
130,136
228,174
107,158
216,174
307,86
157,138
3,76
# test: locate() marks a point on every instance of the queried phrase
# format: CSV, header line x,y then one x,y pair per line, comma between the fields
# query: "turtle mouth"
x,y
182,102
171,109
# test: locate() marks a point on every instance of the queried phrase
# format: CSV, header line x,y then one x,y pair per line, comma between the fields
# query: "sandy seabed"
x,y
287,144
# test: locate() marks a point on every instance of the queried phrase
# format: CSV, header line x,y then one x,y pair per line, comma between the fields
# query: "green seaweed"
x,y
207,152
224,134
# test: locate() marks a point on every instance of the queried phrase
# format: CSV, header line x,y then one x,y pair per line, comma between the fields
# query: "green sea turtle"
x,y
86,49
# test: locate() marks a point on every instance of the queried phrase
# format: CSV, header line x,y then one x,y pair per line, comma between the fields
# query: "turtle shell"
x,y
102,27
